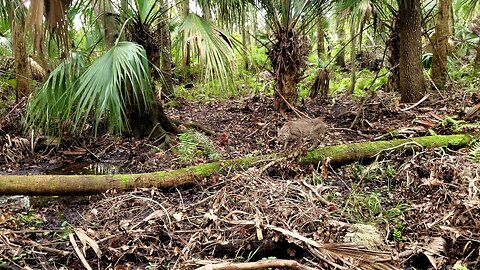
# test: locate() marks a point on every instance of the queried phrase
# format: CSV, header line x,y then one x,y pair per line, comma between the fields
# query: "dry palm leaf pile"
x,y
251,220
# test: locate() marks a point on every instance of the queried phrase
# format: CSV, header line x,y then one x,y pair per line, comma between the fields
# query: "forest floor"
x,y
417,208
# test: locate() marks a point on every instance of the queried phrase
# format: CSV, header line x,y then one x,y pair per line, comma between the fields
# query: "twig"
x,y
295,110
416,104
317,194
48,249
434,85
277,263
199,126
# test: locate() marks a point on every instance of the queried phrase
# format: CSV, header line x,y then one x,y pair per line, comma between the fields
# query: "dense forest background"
x,y
195,92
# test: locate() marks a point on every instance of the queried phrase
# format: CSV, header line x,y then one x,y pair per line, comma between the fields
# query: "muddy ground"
x,y
398,211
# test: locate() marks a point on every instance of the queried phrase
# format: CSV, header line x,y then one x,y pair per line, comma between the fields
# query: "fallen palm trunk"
x,y
95,184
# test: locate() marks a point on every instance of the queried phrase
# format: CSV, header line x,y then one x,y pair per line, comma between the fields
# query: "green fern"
x,y
186,147
474,153
194,144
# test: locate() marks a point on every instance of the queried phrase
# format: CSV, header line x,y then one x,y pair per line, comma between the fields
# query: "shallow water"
x,y
87,168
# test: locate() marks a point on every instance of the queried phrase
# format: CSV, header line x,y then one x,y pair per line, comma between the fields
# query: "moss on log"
x,y
356,151
94,184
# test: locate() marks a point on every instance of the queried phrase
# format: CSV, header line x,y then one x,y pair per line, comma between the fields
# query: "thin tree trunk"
x,y
320,37
353,55
412,83
165,50
451,22
394,56
244,32
186,44
254,25
22,67
106,20
340,59
206,13
440,48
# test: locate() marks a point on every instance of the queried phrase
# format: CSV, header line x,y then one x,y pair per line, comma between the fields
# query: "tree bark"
x,y
320,37
353,54
394,56
107,22
340,59
244,32
206,13
165,44
22,67
288,56
412,84
440,48
94,184
285,91
186,44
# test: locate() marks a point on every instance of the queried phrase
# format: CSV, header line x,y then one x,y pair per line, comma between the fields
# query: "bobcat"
x,y
312,129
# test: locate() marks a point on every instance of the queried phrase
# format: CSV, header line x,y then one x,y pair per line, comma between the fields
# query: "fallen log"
x,y
95,184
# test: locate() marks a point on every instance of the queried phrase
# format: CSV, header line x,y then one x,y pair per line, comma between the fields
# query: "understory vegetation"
x,y
143,89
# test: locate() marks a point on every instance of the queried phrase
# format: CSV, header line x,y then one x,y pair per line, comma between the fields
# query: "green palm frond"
x,y
50,108
215,48
115,83
466,8
118,79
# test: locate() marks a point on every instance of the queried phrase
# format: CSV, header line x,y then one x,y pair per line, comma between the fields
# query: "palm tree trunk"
x,y
353,55
206,13
393,44
244,32
320,37
340,59
165,44
285,91
440,50
22,67
412,84
107,22
186,44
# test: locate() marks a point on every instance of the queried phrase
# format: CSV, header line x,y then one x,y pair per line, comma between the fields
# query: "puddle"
x,y
87,168
82,168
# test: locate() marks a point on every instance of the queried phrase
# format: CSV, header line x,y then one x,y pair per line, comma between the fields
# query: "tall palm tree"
x,y
165,44
288,46
440,48
412,82
117,87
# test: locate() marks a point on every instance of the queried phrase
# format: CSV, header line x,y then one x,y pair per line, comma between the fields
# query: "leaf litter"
x,y
424,205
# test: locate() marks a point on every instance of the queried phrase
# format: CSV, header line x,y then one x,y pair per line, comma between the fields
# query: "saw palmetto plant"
x,y
73,94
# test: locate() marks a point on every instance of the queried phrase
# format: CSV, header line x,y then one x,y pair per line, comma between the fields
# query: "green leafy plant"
x,y
474,153
397,231
115,83
454,124
215,48
395,215
372,203
31,219
194,144
459,266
